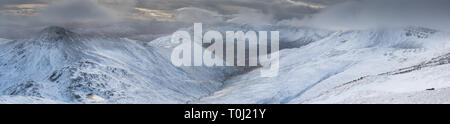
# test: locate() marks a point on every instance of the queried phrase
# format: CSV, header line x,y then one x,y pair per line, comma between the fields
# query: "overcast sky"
x,y
151,18
279,9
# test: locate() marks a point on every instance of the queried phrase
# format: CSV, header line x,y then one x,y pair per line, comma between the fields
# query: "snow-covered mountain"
x,y
290,37
395,65
345,56
60,65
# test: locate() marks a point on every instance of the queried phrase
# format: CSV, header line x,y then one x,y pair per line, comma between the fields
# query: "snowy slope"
x,y
64,66
27,100
308,71
423,83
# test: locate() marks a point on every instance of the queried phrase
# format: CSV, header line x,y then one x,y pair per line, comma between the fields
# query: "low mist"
x,y
366,14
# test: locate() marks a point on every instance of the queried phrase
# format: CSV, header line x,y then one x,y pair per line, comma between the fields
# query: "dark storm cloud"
x,y
6,2
112,17
75,10
281,9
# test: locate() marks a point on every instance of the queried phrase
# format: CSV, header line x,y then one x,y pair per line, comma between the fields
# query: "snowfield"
x,y
424,83
27,100
395,65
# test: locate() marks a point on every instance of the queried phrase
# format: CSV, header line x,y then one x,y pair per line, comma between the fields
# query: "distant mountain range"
x,y
396,65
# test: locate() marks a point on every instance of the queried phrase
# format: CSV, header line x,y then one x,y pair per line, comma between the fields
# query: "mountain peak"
x,y
55,33
55,29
